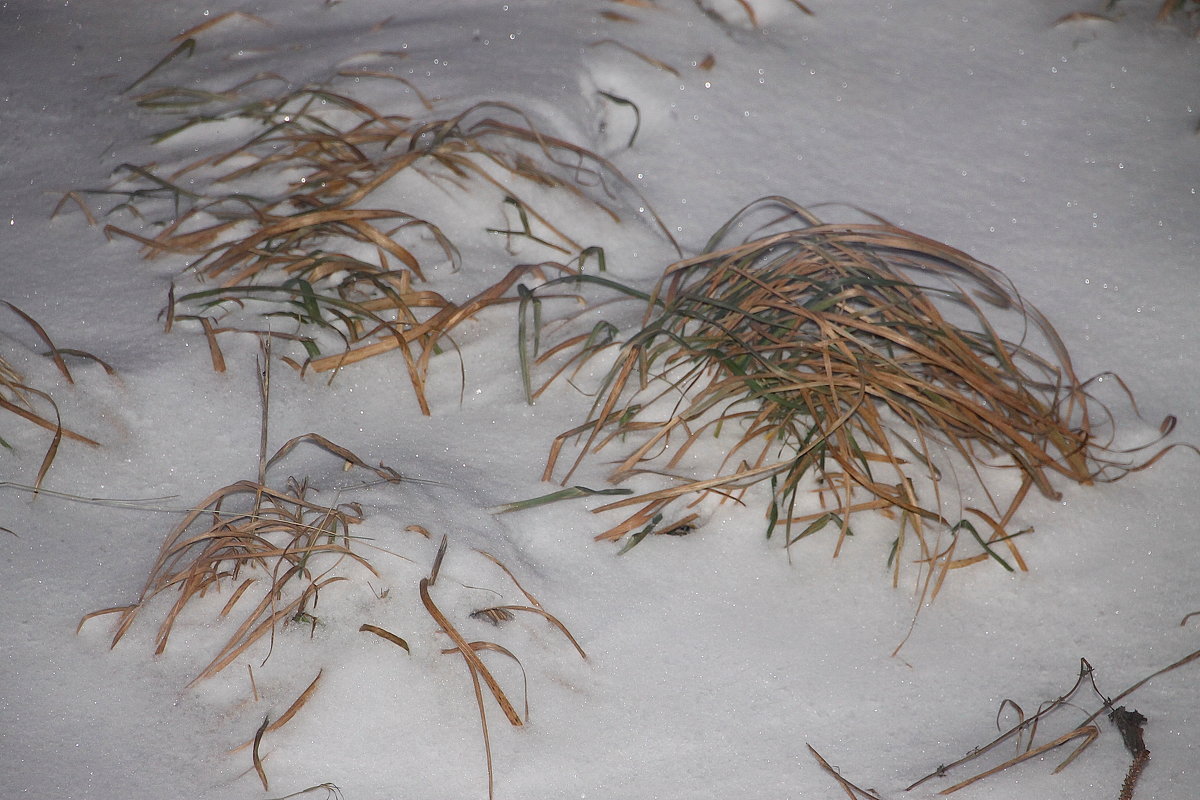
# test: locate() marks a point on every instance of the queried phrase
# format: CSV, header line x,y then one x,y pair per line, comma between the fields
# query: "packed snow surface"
x,y
1062,151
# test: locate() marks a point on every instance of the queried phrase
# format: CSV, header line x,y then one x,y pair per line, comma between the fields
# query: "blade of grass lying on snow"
x,y
184,48
258,765
532,600
562,494
852,791
385,634
553,620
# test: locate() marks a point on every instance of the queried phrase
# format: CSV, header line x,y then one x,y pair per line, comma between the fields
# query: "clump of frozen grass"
x,y
860,363
276,541
285,226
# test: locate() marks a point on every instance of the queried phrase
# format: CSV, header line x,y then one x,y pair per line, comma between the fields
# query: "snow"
x,y
1066,155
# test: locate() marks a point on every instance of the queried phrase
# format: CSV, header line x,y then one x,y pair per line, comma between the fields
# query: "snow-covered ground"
x,y
1064,154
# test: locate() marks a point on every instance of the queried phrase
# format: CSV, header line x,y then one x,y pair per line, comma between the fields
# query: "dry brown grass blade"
x,y
258,765
385,634
553,620
42,422
478,668
217,20
386,473
1081,16
651,60
533,601
55,354
1088,732
99,613
77,199
214,349
504,651
237,595
616,16
853,792
48,457
437,559
487,740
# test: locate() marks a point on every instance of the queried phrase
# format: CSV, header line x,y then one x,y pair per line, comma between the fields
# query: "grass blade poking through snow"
x,y
480,674
19,398
855,364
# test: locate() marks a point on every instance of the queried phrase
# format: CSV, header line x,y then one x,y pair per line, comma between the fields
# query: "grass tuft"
x,y
248,535
286,227
280,543
853,367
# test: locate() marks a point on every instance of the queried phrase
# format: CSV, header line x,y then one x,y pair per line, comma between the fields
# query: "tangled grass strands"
x,y
839,356
296,545
431,330
300,246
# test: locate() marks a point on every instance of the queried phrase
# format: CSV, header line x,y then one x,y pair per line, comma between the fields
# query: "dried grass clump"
x,y
284,223
855,362
278,542
23,400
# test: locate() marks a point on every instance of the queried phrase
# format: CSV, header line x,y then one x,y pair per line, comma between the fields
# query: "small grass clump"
x,y
280,539
853,362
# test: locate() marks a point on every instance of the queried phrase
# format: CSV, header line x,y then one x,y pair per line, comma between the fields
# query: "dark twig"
x,y
1129,724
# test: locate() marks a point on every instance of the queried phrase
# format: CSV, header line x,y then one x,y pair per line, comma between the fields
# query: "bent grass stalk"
x,y
21,399
479,672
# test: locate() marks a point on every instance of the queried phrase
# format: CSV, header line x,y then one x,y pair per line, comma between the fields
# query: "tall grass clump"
x,y
852,368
